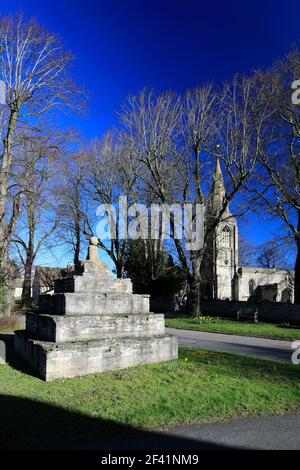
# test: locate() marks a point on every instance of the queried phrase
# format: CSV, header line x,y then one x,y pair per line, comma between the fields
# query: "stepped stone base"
x,y
92,323
58,328
70,359
80,283
93,303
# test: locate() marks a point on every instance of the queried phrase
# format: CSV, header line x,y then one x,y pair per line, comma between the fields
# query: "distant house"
x,y
17,286
43,280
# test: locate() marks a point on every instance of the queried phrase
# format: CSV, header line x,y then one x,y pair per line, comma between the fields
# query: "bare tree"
x,y
110,174
279,176
38,220
34,68
247,252
72,209
177,140
270,255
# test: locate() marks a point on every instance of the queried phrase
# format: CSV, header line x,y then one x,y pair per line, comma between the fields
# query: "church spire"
x,y
218,192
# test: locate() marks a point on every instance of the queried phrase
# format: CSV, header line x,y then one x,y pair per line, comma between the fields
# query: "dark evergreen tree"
x,y
151,269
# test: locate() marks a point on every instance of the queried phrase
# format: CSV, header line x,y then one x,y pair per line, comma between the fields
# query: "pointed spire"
x,y
218,192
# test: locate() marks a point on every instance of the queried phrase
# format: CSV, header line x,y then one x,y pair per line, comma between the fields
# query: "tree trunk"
x,y
77,223
26,291
297,265
30,254
77,250
4,172
193,303
119,269
194,296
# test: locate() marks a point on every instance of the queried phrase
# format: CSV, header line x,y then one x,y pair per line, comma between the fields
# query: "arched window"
x,y
226,236
286,295
251,287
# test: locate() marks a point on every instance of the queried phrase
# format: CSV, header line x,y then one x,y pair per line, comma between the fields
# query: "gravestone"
x,y
93,323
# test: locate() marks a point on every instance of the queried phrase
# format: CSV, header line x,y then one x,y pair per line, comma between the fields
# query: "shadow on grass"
x,y
12,358
289,326
29,424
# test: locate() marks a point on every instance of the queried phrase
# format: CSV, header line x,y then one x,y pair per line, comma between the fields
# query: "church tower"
x,y
221,259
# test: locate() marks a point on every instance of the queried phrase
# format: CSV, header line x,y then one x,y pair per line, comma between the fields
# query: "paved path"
x,y
259,347
251,433
266,432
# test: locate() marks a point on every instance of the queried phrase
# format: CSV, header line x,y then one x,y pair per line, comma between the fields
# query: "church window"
x,y
251,287
226,237
286,295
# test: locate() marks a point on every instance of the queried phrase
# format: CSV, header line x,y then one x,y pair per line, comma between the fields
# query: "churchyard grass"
x,y
218,325
200,386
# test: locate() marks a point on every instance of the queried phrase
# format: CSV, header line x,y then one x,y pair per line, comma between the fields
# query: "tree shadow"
x,y
27,424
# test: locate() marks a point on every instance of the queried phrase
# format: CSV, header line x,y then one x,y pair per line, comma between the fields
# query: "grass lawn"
x,y
200,386
8,329
218,325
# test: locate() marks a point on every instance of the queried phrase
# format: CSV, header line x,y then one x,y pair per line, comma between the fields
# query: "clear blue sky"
x,y
121,46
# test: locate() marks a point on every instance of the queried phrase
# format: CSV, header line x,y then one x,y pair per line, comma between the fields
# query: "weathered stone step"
x,y
93,304
61,360
60,328
91,283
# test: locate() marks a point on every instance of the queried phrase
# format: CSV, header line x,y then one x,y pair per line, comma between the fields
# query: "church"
x,y
223,277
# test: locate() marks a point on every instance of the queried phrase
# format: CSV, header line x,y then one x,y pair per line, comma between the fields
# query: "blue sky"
x,y
121,46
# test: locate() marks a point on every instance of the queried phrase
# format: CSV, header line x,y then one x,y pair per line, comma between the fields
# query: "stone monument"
x,y
92,323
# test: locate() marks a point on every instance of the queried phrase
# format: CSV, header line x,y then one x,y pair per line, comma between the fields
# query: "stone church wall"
x,y
280,279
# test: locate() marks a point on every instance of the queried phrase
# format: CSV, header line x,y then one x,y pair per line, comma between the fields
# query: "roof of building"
x,y
18,282
45,276
250,269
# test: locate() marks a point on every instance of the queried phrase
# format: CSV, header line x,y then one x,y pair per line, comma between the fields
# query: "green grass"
x,y
9,329
265,330
6,330
201,386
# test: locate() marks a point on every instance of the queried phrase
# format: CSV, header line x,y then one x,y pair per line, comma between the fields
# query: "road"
x,y
250,433
258,347
265,432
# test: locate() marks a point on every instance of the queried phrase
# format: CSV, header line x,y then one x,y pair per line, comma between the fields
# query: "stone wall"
x,y
265,277
267,311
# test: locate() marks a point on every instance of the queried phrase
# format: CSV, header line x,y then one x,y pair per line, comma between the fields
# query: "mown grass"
x,y
200,386
218,325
